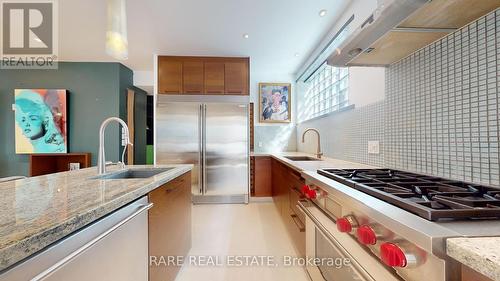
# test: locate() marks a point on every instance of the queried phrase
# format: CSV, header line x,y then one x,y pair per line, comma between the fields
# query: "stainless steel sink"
x,y
134,173
302,158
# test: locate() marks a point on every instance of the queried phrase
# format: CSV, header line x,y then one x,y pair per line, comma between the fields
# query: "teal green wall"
x,y
96,91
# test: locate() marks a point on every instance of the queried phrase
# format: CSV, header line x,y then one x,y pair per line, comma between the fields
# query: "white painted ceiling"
x,y
277,30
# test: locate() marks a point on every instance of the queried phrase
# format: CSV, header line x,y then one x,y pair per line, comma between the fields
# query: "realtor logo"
x,y
29,34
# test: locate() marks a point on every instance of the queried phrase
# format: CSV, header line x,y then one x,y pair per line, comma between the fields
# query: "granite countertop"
x,y
38,211
313,165
479,253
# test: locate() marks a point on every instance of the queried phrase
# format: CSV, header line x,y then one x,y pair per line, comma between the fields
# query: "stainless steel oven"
x,y
335,257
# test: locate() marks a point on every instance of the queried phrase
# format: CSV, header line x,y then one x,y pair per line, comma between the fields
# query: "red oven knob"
x,y
312,194
305,189
366,235
345,224
392,255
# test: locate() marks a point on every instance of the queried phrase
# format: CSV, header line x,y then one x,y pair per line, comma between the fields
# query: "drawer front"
x,y
295,196
297,233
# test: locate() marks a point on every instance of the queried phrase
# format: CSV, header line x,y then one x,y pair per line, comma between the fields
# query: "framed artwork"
x,y
40,121
275,102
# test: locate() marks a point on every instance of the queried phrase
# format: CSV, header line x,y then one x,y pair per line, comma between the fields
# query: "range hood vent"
x,y
398,28
388,14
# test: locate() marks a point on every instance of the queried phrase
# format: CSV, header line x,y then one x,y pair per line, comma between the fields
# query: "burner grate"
x,y
432,198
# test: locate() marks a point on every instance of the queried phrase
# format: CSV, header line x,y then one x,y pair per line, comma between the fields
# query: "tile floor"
x,y
227,230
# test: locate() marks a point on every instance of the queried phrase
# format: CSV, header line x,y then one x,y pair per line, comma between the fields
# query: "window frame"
x,y
327,92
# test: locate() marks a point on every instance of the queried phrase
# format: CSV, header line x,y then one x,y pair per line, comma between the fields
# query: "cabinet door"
x,y
169,225
297,232
214,78
192,75
275,179
469,274
279,174
295,196
295,186
286,194
236,77
169,75
263,177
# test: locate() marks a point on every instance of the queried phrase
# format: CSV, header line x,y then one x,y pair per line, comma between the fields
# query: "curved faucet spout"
x,y
101,160
318,152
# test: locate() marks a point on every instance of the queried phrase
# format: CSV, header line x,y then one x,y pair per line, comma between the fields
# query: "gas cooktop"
x,y
432,198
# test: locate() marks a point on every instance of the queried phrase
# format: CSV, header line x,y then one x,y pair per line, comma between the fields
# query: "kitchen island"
x,y
481,254
38,212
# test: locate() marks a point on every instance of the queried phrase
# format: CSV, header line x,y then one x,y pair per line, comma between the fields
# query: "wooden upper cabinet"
x,y
236,77
192,75
203,75
169,76
214,77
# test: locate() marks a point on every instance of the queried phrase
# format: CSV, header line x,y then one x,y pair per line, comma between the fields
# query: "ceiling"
x,y
278,29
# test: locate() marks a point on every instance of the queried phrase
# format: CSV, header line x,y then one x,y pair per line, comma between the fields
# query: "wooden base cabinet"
x,y
262,176
469,274
169,226
286,185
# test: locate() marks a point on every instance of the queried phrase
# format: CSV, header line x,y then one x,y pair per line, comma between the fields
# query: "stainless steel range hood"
x,y
388,14
397,28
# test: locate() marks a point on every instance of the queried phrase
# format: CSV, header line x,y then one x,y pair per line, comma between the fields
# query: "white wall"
x,y
366,87
144,80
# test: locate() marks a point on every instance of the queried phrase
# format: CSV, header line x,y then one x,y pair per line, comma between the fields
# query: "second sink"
x,y
302,158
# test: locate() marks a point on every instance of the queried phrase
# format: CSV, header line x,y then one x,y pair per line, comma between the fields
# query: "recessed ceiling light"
x,y
322,13
246,36
296,54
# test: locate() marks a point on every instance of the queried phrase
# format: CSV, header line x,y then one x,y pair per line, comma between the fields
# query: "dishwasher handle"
x,y
89,244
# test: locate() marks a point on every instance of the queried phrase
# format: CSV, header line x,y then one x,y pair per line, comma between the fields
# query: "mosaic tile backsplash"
x,y
442,106
345,135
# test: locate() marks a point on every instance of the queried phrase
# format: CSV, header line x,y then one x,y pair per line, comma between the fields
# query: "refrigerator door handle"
x,y
204,144
200,149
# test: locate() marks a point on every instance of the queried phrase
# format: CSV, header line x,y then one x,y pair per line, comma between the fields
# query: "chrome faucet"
x,y
318,152
101,160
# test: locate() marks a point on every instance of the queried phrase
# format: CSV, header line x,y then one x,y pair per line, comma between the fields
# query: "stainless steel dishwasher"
x,y
113,248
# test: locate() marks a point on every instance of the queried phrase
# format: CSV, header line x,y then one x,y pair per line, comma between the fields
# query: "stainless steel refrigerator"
x,y
214,137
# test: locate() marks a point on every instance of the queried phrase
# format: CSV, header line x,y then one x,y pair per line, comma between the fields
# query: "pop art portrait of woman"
x,y
40,121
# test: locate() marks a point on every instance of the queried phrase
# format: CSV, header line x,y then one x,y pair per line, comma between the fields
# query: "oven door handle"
x,y
341,250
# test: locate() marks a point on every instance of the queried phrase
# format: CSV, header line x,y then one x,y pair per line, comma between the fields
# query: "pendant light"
x,y
116,33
